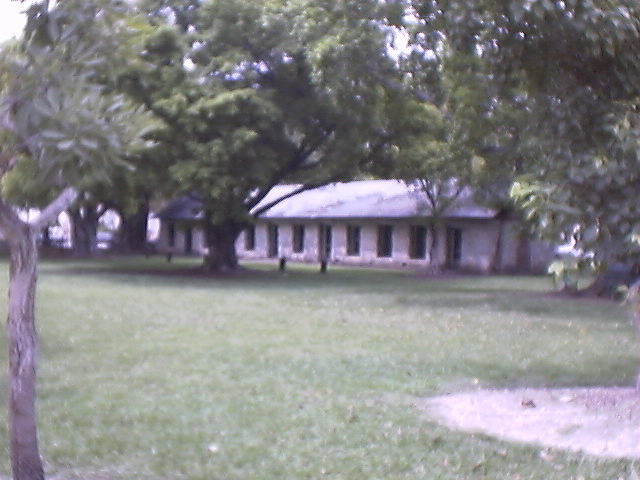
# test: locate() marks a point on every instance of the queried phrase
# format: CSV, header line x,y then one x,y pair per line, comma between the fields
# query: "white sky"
x,y
11,21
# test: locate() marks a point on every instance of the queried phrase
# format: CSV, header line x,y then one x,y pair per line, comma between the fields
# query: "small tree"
x,y
60,124
442,159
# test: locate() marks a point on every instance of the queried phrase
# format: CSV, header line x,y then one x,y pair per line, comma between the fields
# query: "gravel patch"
x,y
599,421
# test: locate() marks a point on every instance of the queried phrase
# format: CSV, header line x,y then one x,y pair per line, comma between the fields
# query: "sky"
x,y
11,21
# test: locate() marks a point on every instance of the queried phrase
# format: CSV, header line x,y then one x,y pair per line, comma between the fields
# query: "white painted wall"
x,y
479,239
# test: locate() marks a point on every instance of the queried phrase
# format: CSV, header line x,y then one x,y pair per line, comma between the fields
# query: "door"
x,y
272,241
325,240
454,247
188,240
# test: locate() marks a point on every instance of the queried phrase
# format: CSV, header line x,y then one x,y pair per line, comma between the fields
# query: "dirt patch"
x,y
598,421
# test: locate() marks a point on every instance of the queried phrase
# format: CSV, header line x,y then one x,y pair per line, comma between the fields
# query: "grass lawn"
x,y
161,375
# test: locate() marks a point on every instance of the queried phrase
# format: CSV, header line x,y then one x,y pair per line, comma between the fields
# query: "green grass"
x,y
164,375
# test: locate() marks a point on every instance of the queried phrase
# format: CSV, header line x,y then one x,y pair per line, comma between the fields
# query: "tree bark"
x,y
23,356
134,229
607,284
22,335
221,243
84,227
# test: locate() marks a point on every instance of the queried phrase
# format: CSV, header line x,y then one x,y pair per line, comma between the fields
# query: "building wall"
x,y
179,245
476,253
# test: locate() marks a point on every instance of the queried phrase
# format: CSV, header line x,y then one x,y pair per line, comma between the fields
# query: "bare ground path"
x,y
598,421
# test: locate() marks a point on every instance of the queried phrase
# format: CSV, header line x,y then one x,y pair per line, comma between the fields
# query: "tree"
x,y
574,67
121,189
57,122
585,128
429,164
591,205
462,148
253,94
127,192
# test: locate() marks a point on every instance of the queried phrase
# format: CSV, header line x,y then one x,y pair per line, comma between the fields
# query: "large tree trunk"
x,y
608,282
23,356
84,228
134,229
221,244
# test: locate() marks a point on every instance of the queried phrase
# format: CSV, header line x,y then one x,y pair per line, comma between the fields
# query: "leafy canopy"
x,y
253,94
570,69
62,125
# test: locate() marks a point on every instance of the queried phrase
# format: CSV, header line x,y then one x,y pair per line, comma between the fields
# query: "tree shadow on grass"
x,y
191,268
185,274
459,291
606,371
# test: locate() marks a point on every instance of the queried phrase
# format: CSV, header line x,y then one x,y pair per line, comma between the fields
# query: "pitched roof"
x,y
358,199
181,208
366,199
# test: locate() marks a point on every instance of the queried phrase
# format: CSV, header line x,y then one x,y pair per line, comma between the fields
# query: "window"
x,y
272,241
298,238
250,238
353,240
454,246
171,234
385,240
417,241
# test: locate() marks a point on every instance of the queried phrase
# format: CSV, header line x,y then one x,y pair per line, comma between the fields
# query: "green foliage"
x,y
568,270
465,128
552,45
590,200
24,187
61,118
565,77
252,94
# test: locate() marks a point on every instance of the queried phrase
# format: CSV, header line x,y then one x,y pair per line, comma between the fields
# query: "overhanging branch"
x,y
55,208
293,193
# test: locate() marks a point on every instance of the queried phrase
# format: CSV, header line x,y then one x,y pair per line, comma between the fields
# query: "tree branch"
x,y
309,186
10,222
51,211
293,165
294,192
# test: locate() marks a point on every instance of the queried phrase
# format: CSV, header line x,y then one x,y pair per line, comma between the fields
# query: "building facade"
x,y
378,223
